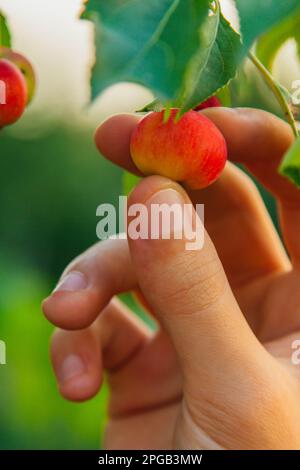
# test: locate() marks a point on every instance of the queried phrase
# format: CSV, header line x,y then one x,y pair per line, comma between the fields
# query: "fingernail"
x,y
73,281
168,226
71,367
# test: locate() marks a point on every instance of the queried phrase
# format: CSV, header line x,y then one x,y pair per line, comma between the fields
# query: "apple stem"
x,y
271,82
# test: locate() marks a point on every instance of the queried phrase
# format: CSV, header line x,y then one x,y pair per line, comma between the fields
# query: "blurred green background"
x,y
51,182
49,190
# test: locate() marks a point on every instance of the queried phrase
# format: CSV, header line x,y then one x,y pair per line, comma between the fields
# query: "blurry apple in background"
x,y
24,66
14,93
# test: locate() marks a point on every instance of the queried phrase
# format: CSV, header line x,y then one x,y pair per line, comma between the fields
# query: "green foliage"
x,y
33,415
258,16
140,41
269,43
182,62
216,62
50,188
5,37
290,166
185,51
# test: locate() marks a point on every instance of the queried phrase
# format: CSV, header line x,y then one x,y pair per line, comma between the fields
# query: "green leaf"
x,y
145,41
269,43
155,106
290,166
258,16
5,37
216,62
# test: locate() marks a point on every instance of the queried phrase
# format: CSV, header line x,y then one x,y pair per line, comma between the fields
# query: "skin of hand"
x,y
217,373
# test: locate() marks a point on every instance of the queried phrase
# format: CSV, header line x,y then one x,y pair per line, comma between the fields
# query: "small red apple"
x,y
212,102
13,93
192,151
24,66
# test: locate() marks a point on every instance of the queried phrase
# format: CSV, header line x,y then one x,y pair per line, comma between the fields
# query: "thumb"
x,y
189,293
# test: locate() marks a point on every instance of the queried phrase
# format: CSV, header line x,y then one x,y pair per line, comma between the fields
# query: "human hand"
x,y
218,372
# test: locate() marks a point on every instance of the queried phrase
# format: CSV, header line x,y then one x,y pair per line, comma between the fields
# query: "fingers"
x,y
260,143
142,368
79,357
232,205
77,363
241,228
191,296
89,283
252,134
113,140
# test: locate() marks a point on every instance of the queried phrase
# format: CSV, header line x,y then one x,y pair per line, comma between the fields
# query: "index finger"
x,y
253,137
113,140
232,194
260,143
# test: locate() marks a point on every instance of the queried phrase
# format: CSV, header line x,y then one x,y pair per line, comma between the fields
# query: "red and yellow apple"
x,y
24,66
13,91
191,151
